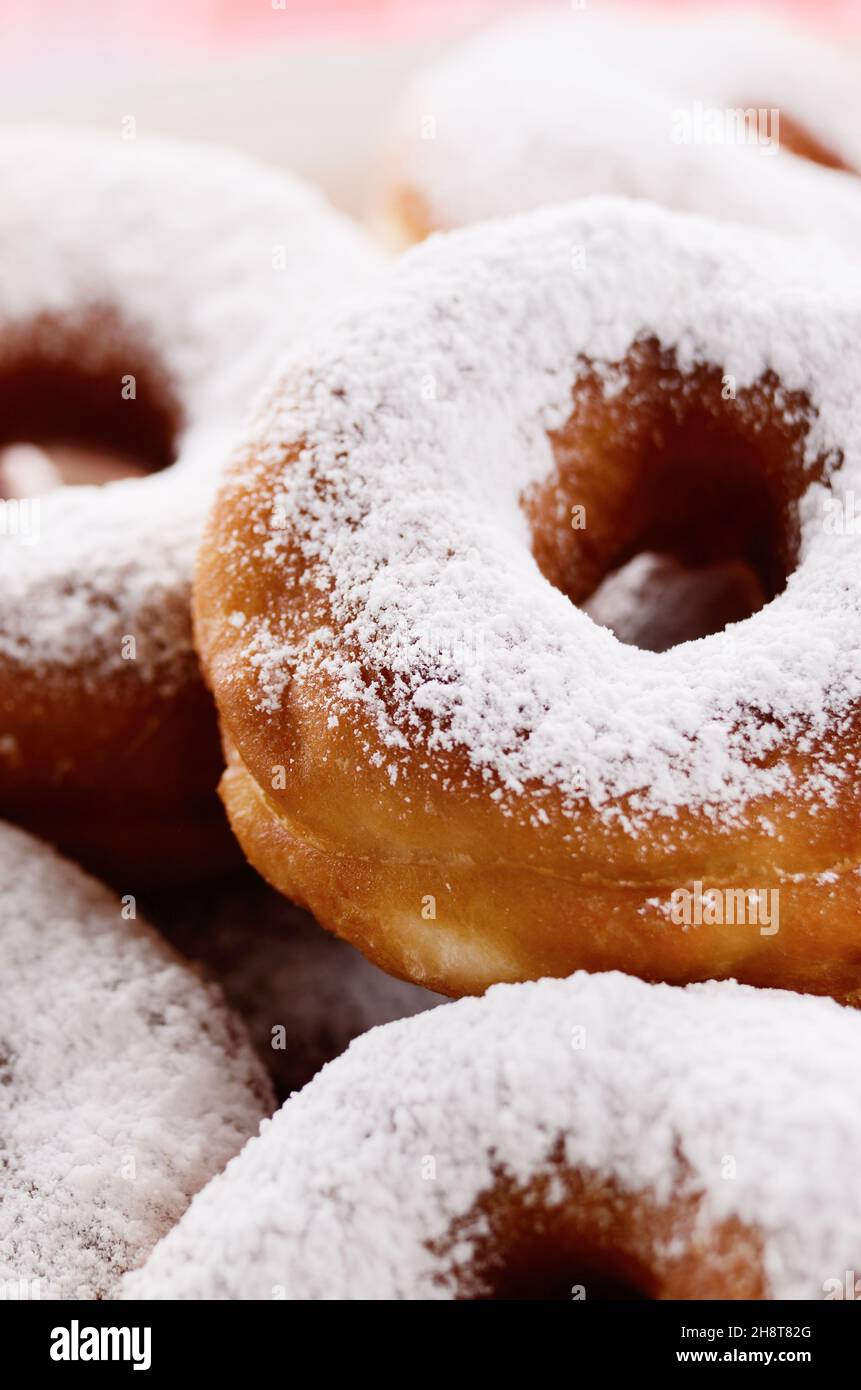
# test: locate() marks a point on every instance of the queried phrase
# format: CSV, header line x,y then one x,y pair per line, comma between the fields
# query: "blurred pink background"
x,y
35,34
307,85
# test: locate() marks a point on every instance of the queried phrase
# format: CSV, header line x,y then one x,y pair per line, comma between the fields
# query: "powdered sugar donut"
x,y
145,287
302,993
590,1137
705,112
126,1084
429,744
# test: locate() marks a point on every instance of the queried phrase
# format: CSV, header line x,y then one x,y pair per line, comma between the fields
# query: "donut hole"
x,y
682,468
576,1235
64,424
527,1245
536,1271
793,136
655,602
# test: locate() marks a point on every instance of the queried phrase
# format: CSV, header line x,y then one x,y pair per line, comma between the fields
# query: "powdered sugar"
x,y
406,505
654,1086
209,264
124,1082
567,103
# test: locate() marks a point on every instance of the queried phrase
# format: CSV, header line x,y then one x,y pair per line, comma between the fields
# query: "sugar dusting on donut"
x,y
564,104
422,421
183,264
125,1084
743,1101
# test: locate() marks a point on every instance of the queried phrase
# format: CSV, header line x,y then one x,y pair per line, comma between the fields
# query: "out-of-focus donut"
x,y
145,287
744,117
125,1083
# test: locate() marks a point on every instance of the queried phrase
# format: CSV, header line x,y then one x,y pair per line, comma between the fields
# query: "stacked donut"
x,y
526,594
144,289
428,742
746,118
531,1144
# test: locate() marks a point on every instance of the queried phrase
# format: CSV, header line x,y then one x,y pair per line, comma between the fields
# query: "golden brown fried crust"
x,y
502,921
130,794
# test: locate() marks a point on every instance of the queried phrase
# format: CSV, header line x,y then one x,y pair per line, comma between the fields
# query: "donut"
x,y
125,1083
145,287
302,993
595,1137
428,743
743,117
